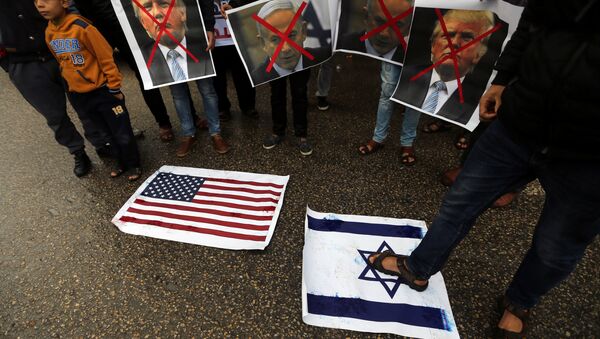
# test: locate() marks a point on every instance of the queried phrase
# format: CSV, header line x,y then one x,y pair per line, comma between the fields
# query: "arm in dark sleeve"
x,y
508,63
208,14
239,3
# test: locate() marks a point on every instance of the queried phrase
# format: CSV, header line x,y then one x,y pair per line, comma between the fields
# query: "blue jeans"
x,y
184,111
569,221
390,74
324,78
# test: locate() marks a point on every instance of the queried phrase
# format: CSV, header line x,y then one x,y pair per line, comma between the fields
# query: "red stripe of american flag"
x,y
193,229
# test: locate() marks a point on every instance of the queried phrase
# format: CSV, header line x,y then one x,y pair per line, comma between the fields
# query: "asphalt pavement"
x,y
66,271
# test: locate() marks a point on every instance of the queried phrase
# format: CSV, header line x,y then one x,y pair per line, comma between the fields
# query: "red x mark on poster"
x,y
163,30
454,52
284,36
390,23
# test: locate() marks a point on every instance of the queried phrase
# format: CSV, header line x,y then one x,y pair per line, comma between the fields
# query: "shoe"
x,y
82,163
369,147
505,199
505,305
251,113
305,147
322,103
138,133
219,144
165,134
449,177
271,141
225,115
186,146
407,155
407,276
104,151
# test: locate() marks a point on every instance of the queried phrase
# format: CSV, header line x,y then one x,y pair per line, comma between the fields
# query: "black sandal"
x,y
408,277
134,174
523,314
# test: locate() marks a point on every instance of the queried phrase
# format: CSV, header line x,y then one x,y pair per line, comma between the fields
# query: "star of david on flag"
x,y
341,290
233,210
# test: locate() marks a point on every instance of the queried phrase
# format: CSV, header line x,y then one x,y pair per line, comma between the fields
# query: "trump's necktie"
x,y
176,70
432,100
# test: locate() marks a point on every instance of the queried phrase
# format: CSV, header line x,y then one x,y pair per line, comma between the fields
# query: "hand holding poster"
x,y
450,57
375,28
167,38
278,37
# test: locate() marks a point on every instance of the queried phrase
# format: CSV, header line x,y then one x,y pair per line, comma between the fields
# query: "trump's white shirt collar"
x,y
181,61
283,72
443,95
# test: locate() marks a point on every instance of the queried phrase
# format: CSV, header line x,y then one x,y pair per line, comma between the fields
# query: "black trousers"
x,y
108,111
226,58
42,86
299,90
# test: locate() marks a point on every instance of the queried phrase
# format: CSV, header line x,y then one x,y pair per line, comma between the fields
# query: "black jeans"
x,y
569,222
299,91
42,86
110,113
226,58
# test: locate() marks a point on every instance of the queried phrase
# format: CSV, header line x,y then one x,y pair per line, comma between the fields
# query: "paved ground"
x,y
66,271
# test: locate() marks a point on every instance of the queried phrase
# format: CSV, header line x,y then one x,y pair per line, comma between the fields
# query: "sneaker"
x,y
225,115
271,141
305,147
219,144
82,163
186,146
104,151
322,103
250,113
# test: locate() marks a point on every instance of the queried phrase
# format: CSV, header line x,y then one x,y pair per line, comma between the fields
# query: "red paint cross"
x,y
454,52
284,36
391,22
163,29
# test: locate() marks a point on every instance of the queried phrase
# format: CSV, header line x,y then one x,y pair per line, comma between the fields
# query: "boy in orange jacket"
x,y
93,79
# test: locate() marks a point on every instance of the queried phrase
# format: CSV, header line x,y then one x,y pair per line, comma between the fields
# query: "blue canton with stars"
x,y
389,284
173,187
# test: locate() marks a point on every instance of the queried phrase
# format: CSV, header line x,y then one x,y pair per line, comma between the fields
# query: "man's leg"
x,y
245,92
389,79
569,222
279,105
222,64
210,101
496,165
299,91
324,78
181,99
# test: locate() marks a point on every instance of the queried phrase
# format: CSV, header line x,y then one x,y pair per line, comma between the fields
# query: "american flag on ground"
x,y
233,210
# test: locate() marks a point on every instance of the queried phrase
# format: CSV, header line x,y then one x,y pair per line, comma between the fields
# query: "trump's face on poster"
x,y
159,10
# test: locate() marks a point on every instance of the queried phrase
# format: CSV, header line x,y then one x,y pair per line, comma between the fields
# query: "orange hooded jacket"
x,y
85,58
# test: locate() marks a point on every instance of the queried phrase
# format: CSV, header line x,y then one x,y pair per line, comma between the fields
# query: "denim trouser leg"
x,y
569,222
211,104
181,99
496,165
410,121
389,79
324,78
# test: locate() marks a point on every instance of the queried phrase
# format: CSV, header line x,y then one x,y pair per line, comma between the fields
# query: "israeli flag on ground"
x,y
340,289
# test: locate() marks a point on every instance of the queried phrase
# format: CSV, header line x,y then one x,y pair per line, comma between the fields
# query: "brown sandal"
x,y
407,155
165,134
436,126
523,314
371,146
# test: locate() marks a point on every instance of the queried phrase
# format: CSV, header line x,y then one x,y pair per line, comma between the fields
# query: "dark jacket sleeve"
x,y
239,3
208,14
508,63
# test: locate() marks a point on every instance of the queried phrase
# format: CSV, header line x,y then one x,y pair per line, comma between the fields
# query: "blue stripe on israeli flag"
x,y
337,225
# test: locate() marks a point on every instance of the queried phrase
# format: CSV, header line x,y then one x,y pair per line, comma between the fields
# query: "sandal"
x,y
408,277
523,314
407,156
134,174
165,134
116,173
371,146
461,142
436,126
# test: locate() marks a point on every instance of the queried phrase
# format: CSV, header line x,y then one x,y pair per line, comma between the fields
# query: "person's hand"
x,y
211,40
490,103
119,96
225,7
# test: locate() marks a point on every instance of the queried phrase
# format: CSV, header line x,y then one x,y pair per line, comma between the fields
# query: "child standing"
x,y
93,79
